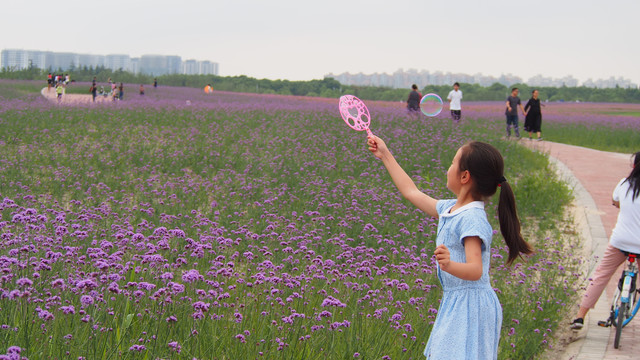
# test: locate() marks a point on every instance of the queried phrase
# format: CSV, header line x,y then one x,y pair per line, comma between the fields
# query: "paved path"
x,y
594,174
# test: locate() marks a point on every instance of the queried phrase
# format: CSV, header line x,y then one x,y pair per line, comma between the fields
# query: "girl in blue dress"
x,y
470,316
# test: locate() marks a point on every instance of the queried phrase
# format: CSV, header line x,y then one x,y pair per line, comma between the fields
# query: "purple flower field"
x,y
240,226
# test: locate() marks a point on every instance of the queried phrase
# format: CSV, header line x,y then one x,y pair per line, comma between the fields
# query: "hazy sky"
x,y
296,39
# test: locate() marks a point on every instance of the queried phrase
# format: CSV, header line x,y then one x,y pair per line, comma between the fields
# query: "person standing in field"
x,y
455,97
533,119
141,89
513,101
121,91
469,318
114,91
624,239
49,82
413,102
155,83
94,91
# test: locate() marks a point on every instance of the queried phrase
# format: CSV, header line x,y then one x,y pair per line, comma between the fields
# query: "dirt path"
x,y
594,174
72,98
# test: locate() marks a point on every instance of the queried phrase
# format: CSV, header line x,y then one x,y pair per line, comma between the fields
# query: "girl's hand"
x,y
443,257
377,146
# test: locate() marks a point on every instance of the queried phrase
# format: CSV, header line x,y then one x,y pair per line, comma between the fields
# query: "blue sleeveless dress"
x,y
469,319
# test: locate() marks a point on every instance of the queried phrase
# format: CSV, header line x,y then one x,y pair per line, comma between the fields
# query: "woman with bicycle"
x,y
625,238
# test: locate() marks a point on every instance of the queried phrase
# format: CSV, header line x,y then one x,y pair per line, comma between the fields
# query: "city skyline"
x,y
151,64
17,59
404,79
287,39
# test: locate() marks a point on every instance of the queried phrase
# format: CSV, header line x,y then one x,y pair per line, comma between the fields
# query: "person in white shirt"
x,y
625,238
454,98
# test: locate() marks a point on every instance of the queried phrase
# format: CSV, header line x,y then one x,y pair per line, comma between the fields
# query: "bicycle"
x,y
625,305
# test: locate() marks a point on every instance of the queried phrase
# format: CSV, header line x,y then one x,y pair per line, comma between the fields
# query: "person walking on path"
x,y
413,102
533,119
59,91
624,239
469,318
513,101
455,97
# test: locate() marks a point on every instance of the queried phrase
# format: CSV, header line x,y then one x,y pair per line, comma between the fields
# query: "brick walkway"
x,y
594,174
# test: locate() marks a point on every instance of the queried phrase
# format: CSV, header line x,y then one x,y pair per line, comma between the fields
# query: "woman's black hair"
x,y
634,177
486,168
534,90
414,87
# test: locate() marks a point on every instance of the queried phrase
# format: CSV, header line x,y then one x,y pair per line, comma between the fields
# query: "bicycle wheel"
x,y
620,323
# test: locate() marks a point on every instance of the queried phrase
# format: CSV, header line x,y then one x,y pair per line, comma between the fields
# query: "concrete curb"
x,y
593,344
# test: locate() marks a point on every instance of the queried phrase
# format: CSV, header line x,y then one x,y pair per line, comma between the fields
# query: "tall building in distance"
x,y
18,59
207,68
117,62
190,67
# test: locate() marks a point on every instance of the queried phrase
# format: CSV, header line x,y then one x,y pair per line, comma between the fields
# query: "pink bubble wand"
x,y
355,113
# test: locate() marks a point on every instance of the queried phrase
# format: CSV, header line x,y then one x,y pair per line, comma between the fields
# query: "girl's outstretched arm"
x,y
407,187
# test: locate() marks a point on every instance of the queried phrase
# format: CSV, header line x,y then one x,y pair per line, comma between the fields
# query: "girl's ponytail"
x,y
486,167
510,223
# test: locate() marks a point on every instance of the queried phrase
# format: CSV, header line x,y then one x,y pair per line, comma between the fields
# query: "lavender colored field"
x,y
244,226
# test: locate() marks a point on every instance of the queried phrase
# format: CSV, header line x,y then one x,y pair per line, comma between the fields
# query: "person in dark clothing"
x,y
413,102
155,83
533,120
513,101
121,91
94,91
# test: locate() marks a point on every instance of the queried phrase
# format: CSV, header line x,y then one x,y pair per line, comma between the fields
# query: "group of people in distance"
x,y
54,79
116,92
531,111
59,82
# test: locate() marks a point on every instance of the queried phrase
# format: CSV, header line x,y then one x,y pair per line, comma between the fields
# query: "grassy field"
x,y
241,226
16,89
608,127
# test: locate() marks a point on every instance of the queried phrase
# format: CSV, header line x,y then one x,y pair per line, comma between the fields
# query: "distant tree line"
x,y
331,88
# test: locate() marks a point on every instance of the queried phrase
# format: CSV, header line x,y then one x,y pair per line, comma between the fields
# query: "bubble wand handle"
x,y
369,133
